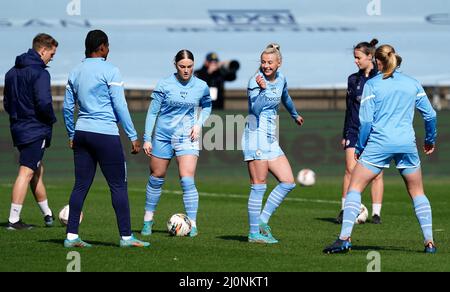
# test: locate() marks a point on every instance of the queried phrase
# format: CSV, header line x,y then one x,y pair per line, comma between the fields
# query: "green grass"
x,y
302,225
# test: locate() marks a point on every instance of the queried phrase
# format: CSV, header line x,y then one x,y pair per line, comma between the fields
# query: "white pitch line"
x,y
237,196
217,195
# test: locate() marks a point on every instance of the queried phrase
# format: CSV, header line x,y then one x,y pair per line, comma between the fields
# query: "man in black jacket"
x,y
215,73
28,101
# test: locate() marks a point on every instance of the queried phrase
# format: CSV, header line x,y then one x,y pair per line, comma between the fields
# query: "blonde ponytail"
x,y
389,58
273,48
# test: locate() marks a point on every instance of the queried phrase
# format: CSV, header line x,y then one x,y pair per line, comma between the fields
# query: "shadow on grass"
x,y
234,237
5,224
60,242
380,248
138,232
330,220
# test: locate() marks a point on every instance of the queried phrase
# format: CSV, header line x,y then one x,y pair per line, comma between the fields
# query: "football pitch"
x,y
303,224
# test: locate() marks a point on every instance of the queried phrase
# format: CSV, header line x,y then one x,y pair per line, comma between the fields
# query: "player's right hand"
x,y
260,81
148,148
343,143
71,144
428,148
135,146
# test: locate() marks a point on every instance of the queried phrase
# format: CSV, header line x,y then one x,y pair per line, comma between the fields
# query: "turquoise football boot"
x,y
260,238
194,232
133,242
76,243
264,229
147,228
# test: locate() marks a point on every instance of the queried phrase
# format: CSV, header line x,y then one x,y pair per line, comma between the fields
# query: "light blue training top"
x,y
264,104
174,108
96,86
387,112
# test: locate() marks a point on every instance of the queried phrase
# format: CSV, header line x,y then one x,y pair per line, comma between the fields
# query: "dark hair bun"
x,y
373,42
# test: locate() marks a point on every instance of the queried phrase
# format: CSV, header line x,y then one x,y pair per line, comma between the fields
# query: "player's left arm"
x,y
43,98
206,107
429,116
289,105
116,91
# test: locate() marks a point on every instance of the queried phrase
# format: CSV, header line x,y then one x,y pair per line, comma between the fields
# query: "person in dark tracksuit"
x,y
28,101
96,87
364,56
215,73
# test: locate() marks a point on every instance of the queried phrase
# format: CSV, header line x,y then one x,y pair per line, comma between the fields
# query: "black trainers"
x,y
339,246
19,225
376,219
48,219
340,217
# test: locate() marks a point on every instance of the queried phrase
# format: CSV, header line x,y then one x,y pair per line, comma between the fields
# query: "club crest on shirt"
x,y
274,90
183,94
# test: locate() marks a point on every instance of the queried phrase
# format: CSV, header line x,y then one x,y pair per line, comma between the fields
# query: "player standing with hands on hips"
x,y
260,145
97,87
386,133
173,128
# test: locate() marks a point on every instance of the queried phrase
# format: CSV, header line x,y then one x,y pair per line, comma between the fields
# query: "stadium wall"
x,y
235,99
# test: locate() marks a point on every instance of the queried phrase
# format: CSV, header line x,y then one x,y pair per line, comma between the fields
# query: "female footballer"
x,y
386,133
364,53
172,128
260,145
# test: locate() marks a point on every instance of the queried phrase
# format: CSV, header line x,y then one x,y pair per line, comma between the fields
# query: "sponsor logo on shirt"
x,y
182,104
274,90
274,98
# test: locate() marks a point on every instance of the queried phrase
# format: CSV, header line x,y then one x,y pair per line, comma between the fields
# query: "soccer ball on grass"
x,y
363,214
179,225
306,177
64,215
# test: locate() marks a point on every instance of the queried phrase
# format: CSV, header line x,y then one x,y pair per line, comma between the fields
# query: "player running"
x,y
387,133
260,145
172,128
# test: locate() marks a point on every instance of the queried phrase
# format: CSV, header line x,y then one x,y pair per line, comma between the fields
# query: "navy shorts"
x,y
350,141
31,154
